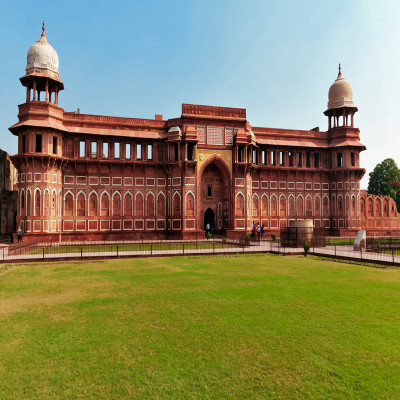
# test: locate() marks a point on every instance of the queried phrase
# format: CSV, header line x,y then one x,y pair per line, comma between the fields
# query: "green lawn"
x,y
255,327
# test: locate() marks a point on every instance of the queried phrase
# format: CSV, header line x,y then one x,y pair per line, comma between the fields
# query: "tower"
x,y
40,133
345,172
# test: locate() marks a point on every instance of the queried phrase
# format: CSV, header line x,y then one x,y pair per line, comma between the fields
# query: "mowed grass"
x,y
256,327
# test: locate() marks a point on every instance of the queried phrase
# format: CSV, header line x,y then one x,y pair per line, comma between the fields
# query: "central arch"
x,y
215,194
209,220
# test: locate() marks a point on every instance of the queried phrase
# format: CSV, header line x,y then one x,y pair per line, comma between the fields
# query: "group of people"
x,y
258,230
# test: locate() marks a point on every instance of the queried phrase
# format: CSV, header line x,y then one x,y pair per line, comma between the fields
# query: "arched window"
x,y
150,205
274,206
80,205
37,202
264,205
54,203
189,204
308,206
300,206
105,205
378,208
28,202
317,206
93,204
239,204
139,205
22,211
282,206
68,204
116,204
291,206
353,206
46,211
176,205
255,206
128,204
160,205
325,206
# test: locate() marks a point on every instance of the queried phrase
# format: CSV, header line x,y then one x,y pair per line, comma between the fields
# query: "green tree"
x,y
385,180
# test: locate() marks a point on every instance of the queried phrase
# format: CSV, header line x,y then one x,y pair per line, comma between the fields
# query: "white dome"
x,y
42,58
340,93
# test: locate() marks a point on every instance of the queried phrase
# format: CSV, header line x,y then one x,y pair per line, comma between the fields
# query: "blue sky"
x,y
276,59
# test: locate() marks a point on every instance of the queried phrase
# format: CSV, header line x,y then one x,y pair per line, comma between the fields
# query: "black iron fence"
x,y
296,236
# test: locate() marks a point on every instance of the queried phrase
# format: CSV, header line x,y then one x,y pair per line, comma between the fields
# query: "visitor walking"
x,y
258,231
19,234
262,232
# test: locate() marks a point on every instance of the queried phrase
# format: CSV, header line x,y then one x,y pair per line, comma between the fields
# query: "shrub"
x,y
306,247
209,235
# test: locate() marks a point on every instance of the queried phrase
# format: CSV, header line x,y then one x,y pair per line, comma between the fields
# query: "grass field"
x,y
256,327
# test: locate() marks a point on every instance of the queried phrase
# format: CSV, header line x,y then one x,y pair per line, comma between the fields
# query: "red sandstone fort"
x,y
99,177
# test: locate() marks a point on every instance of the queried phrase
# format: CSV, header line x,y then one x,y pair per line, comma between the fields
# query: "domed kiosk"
x,y
41,73
341,108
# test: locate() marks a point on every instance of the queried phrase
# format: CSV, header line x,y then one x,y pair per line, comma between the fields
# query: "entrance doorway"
x,y
209,220
215,196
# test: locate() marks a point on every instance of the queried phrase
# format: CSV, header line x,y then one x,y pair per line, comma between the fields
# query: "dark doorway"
x,y
209,220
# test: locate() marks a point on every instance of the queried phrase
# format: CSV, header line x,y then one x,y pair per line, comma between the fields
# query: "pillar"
x,y
34,91
47,91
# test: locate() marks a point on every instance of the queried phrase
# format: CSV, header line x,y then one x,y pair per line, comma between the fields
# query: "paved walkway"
x,y
345,252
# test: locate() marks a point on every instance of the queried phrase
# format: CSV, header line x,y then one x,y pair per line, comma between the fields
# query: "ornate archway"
x,y
214,194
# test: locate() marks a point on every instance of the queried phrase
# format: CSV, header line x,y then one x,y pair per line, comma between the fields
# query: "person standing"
x,y
262,232
258,231
19,234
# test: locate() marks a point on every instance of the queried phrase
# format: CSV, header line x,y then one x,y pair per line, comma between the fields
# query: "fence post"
x,y
335,250
3,254
117,250
81,253
392,256
183,248
360,252
213,247
151,249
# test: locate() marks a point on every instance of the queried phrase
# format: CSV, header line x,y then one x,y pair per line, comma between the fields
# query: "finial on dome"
x,y
43,34
340,68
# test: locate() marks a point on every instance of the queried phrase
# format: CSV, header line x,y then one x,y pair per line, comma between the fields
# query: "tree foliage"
x,y
385,180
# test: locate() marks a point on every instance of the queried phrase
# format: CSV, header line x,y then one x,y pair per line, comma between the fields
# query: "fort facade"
x,y
99,177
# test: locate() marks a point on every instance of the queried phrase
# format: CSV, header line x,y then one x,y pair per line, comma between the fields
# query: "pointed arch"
x,y
309,208
139,204
378,207
239,204
69,204
176,204
128,203
385,207
28,202
256,205
53,202
150,204
189,202
46,202
340,205
59,203
116,203
274,205
282,206
264,205
22,202
370,206
105,204
81,204
161,204
325,205
353,205
317,206
93,203
37,202
300,206
291,206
